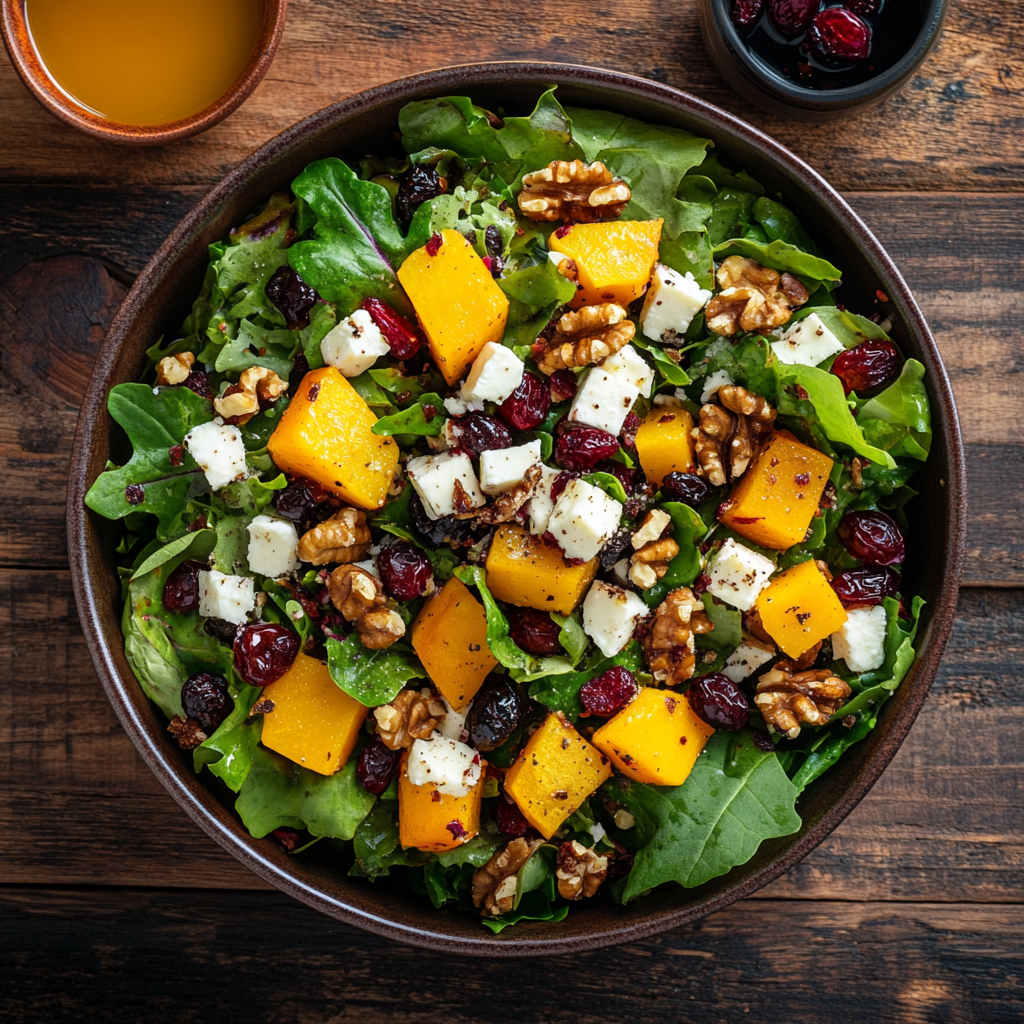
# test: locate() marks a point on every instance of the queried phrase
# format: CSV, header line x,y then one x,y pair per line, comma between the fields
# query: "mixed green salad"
x,y
519,519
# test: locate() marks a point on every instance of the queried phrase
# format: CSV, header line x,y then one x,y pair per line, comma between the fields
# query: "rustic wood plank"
x,y
954,126
943,823
203,956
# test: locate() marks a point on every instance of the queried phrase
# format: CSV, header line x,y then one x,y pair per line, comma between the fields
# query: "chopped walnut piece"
x,y
380,628
570,190
752,297
256,388
651,552
412,715
579,870
669,647
344,537
174,369
730,434
494,885
354,592
584,336
787,698
186,731
506,505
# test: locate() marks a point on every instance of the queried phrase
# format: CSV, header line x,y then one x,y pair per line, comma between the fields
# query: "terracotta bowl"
x,y
26,61
162,296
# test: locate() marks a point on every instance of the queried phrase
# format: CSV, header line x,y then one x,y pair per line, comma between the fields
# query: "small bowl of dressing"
x,y
142,72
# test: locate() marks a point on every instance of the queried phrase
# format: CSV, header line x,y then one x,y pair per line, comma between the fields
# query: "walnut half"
x,y
256,387
753,298
579,870
360,599
494,885
570,190
730,434
584,336
669,647
412,715
787,698
174,369
344,537
651,551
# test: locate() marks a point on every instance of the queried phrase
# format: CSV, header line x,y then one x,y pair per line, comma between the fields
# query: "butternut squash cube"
x,y
664,443
655,739
555,772
313,722
430,820
523,570
457,302
326,434
776,500
798,608
614,259
450,637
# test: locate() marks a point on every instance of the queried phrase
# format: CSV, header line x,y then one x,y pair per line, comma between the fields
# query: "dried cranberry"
x,y
205,698
872,537
264,652
582,448
477,432
563,385
838,36
618,546
866,586
305,502
746,12
404,570
135,494
559,484
377,765
457,533
632,480
719,701
221,629
434,244
418,185
199,384
792,18
510,819
292,296
181,591
403,337
527,406
863,6
688,488
609,692
493,242
289,839
871,364
534,631
630,425
496,711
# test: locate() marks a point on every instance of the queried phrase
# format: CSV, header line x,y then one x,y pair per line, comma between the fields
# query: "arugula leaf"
x,y
376,843
371,677
243,351
688,529
199,543
228,753
724,178
899,419
732,211
736,796
610,484
414,420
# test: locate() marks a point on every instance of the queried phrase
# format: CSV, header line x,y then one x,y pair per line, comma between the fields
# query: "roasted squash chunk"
x,y
614,259
312,722
555,772
429,820
664,443
523,570
798,608
456,300
655,739
326,434
450,638
776,500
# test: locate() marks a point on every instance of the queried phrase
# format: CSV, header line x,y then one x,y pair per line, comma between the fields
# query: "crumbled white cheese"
x,y
453,767
219,450
747,659
860,642
453,725
495,374
603,400
435,476
502,468
628,364
807,343
610,615
738,574
273,546
597,831
456,406
231,598
583,519
620,570
541,506
354,344
712,382
672,301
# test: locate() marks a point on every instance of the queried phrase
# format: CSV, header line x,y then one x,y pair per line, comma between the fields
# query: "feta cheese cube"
x,y
861,640
231,598
747,659
273,546
808,343
541,504
610,615
603,400
502,468
628,364
219,450
435,477
738,574
583,519
494,375
672,301
452,766
456,406
712,382
354,345
453,725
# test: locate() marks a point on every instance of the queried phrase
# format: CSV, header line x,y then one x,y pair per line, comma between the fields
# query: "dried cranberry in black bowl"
x,y
181,591
205,698
837,37
527,406
377,765
873,537
292,296
404,570
866,586
717,700
534,631
264,651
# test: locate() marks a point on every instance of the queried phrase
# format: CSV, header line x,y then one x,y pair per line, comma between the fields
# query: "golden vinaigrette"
x,y
144,61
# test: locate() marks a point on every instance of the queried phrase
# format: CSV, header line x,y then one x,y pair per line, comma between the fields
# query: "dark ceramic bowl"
x,y
758,82
161,297
26,61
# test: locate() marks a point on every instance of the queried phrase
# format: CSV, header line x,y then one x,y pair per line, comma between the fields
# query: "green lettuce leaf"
x,y
229,752
414,419
376,843
781,225
899,419
783,257
371,677
688,530
560,692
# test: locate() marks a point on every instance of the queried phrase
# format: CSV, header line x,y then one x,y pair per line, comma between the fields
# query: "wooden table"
x,y
116,907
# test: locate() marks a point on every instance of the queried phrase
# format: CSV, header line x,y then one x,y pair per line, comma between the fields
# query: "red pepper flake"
x,y
667,418
774,462
627,759
682,740
802,617
747,520
563,231
313,391
803,479
456,829
670,703
486,262
433,248
175,455
802,392
435,797
880,296
288,838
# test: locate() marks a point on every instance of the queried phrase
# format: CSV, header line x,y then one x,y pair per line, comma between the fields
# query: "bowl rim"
x,y
26,61
209,812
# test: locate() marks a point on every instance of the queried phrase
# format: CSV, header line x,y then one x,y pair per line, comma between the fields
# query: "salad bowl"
x,y
159,300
